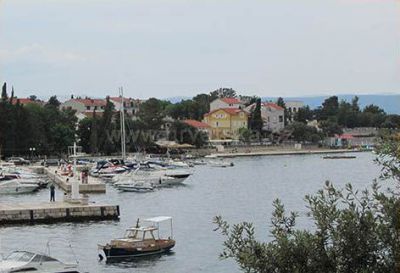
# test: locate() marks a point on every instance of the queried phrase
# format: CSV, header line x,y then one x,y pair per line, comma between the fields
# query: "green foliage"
x,y
45,128
183,133
152,113
256,121
304,133
304,114
287,115
223,93
330,128
245,135
354,231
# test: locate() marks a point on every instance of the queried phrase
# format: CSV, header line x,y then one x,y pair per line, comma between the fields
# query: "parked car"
x,y
18,161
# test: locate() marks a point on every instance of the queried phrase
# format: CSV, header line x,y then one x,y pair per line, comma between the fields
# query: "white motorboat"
x,y
139,186
24,261
15,187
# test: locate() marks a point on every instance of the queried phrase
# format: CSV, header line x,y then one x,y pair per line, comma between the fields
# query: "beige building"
x,y
226,123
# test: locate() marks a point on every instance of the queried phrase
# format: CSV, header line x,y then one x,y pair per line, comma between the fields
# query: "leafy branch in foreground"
x,y
351,231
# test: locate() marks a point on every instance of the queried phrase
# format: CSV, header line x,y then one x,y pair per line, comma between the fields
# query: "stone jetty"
x,y
94,185
47,212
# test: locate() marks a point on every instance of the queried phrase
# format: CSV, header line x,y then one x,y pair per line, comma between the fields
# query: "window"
x,y
87,107
280,118
216,124
95,108
294,109
268,119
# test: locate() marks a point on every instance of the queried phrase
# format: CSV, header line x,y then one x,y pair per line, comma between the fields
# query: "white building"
x,y
272,115
131,106
85,107
223,103
293,107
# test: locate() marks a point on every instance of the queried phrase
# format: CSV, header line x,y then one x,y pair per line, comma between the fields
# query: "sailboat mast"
x,y
122,123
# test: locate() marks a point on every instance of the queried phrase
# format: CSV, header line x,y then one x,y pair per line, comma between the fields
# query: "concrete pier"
x,y
47,212
95,185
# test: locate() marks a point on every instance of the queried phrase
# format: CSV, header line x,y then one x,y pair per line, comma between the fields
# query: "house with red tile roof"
x,y
85,106
226,103
272,115
131,106
225,123
24,101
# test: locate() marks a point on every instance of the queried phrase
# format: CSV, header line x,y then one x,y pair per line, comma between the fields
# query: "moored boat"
x,y
140,241
140,186
15,187
24,261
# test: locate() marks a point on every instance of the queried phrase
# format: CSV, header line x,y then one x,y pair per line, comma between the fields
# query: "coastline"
x,y
286,152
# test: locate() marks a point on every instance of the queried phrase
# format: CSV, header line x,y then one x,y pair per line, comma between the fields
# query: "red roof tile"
x,y
196,123
22,101
273,105
231,100
91,102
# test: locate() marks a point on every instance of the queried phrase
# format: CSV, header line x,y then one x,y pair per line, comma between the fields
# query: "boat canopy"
x,y
158,219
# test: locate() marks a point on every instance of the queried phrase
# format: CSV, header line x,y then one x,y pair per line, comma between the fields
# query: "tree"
x,y
53,102
84,132
287,115
304,133
330,128
152,113
304,114
106,127
330,107
4,95
183,133
354,232
223,93
256,121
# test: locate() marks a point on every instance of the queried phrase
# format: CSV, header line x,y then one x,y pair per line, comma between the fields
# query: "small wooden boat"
x,y
339,157
140,241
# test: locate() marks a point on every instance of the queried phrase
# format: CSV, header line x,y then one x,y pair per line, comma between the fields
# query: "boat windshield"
x,y
139,234
20,256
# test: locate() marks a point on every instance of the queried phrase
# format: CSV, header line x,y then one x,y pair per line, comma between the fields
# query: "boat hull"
x,y
115,252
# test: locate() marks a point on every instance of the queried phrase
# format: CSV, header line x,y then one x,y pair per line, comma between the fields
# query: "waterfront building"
x,y
292,108
85,107
201,126
225,103
131,106
273,116
225,123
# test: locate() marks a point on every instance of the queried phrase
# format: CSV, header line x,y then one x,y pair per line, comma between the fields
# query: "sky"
x,y
167,48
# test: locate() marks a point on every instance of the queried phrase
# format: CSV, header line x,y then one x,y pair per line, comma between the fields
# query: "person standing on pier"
x,y
52,193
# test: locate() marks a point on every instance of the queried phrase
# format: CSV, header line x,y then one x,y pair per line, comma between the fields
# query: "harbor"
x,y
210,191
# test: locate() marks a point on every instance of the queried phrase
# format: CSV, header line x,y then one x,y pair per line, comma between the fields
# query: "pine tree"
x,y
4,95
256,118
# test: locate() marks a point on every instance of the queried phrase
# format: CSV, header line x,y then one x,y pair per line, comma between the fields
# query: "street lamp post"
x,y
32,150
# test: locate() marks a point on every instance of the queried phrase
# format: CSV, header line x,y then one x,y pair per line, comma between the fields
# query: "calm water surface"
x,y
242,193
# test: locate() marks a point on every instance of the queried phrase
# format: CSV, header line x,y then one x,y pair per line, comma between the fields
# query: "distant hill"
x,y
390,103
